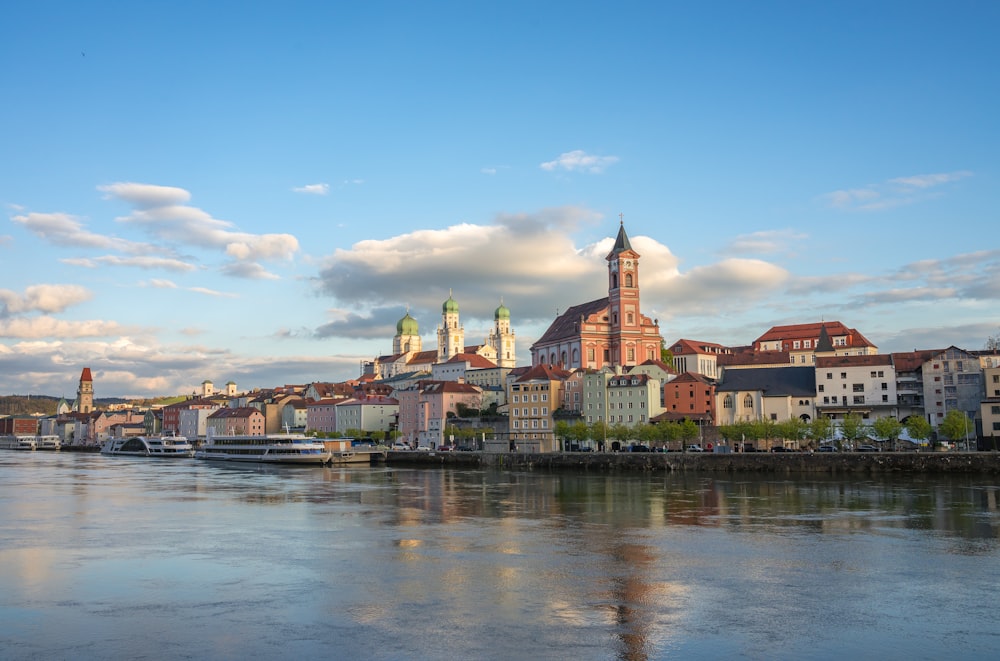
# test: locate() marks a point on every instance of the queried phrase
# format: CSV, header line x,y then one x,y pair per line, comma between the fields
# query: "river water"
x,y
119,558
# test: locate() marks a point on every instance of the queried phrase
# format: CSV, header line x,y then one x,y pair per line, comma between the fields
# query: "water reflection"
x,y
130,558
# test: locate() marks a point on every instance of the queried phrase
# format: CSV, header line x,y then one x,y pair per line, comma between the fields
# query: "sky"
x,y
258,192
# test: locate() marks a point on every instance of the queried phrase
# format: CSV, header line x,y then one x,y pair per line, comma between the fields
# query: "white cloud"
x,y
764,242
896,192
579,161
145,196
142,262
160,283
313,189
249,270
43,298
45,326
6,239
533,265
929,180
212,292
66,230
193,226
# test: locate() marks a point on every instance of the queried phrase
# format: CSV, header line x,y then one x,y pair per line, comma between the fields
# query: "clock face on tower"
x,y
628,263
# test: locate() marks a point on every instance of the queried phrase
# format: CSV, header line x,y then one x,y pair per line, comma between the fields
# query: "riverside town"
x,y
602,379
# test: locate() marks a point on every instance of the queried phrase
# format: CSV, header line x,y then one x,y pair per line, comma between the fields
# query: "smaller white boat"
x,y
176,447
18,443
48,442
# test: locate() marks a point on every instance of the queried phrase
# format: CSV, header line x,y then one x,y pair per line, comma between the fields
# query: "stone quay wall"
x,y
756,462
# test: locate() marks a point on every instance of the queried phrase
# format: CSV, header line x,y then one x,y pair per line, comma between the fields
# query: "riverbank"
x,y
756,462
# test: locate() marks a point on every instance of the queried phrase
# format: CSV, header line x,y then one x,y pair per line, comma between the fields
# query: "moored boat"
x,y
268,449
18,443
48,442
176,447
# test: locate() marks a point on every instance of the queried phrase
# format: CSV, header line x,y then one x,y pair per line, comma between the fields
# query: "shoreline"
x,y
857,463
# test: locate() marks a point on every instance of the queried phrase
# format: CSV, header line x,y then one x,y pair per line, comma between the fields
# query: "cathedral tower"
x,y
407,337
451,335
501,338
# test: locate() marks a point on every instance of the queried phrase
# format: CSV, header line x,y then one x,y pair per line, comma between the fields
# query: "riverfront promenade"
x,y
861,463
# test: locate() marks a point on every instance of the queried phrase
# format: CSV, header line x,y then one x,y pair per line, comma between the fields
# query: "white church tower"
x,y
501,338
451,335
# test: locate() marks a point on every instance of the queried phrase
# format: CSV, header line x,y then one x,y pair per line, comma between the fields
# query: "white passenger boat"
x,y
48,442
269,449
18,443
176,447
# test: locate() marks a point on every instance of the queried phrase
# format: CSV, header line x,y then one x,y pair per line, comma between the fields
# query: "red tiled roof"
x,y
543,372
473,359
754,358
684,347
812,331
565,325
853,361
85,376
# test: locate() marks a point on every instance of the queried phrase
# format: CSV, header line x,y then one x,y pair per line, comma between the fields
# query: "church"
x,y
609,332
408,355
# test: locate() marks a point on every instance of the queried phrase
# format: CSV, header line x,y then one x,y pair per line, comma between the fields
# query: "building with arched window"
x,y
608,332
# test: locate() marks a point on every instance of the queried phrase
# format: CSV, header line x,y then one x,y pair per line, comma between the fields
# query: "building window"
x,y
829,375
748,402
727,403
859,399
843,375
885,398
820,387
858,387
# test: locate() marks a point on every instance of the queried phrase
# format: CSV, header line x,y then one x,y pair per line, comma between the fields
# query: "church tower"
x,y
626,341
85,392
451,335
501,338
407,338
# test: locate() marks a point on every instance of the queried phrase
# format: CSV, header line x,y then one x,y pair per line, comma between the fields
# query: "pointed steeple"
x,y
621,241
823,344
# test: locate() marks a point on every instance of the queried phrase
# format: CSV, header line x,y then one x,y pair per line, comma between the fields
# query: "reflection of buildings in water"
x,y
644,608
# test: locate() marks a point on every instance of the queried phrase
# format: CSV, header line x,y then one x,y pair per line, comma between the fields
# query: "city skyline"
x,y
259,196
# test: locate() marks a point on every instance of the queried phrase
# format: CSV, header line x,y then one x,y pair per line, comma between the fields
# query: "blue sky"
x,y
258,192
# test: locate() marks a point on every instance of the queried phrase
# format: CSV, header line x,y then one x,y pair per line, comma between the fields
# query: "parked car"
x,y
781,448
445,448
867,448
400,447
694,448
639,448
827,448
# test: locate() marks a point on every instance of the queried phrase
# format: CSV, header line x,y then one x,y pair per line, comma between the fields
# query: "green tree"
x,y
853,427
689,431
918,428
956,426
887,429
666,355
820,429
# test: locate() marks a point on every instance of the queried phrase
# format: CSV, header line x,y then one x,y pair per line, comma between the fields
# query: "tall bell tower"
x,y
85,392
623,298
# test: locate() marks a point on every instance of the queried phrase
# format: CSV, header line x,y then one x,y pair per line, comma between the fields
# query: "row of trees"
x,y
853,429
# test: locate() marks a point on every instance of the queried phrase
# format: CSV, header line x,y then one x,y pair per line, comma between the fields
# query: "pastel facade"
x,y
533,400
370,414
864,385
607,332
953,380
240,421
